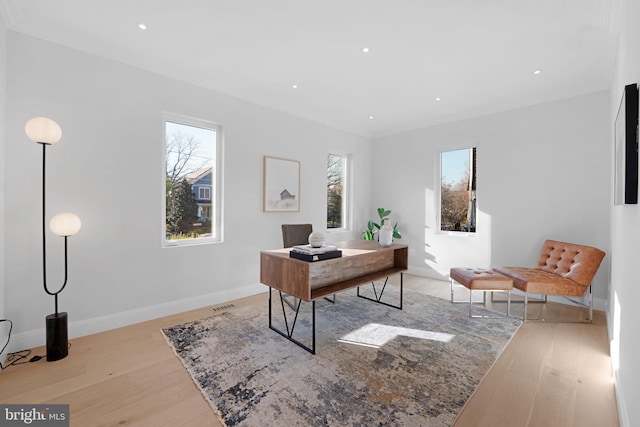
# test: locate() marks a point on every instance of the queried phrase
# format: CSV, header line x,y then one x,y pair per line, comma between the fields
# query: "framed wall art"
x,y
626,148
281,185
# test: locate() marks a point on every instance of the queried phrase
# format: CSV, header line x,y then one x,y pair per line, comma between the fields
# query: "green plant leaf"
x,y
396,233
373,228
383,213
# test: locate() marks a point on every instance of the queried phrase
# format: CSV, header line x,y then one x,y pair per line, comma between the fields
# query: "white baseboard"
x,y
36,338
598,303
623,416
426,272
622,409
3,339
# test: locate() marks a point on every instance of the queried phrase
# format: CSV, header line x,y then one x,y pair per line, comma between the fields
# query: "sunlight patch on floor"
x,y
376,335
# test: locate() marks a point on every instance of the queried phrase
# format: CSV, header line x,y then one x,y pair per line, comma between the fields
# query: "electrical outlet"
x,y
412,252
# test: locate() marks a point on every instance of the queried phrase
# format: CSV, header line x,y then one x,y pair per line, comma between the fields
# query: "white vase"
x,y
316,239
385,238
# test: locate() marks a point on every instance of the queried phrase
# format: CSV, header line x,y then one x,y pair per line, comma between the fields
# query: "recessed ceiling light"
x,y
438,99
294,86
536,72
142,26
365,50
370,117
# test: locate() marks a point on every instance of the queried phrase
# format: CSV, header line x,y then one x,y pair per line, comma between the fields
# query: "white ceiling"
x,y
477,56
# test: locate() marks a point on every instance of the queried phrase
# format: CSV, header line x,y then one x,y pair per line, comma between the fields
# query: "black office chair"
x,y
293,235
296,234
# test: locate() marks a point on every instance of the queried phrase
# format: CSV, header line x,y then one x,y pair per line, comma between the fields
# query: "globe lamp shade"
x,y
43,130
65,224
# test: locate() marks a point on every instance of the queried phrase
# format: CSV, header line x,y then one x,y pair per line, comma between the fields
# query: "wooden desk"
x,y
361,262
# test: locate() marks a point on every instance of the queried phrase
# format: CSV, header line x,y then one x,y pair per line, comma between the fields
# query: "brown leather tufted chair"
x,y
562,268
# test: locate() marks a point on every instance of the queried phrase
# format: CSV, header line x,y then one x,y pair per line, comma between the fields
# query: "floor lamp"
x,y
46,132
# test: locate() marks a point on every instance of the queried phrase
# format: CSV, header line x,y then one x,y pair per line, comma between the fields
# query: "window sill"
x,y
458,233
189,242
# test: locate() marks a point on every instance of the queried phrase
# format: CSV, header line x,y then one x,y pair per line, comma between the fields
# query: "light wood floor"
x,y
550,374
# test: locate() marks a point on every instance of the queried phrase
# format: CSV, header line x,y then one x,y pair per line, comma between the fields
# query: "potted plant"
x,y
373,228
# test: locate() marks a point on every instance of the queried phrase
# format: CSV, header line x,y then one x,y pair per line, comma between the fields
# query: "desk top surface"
x,y
348,248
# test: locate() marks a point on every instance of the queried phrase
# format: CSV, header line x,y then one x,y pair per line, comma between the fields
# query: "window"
x,y
204,193
458,179
336,191
192,196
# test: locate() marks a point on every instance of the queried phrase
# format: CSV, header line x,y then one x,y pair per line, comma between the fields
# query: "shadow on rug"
x,y
374,365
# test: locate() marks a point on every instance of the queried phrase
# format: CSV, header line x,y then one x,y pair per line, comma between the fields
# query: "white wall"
x,y
108,170
108,165
625,240
3,96
543,172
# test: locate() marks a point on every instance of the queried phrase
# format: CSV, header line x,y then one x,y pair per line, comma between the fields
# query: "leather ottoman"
x,y
478,279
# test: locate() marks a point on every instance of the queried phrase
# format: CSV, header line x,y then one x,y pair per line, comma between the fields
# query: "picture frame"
x,y
281,185
626,148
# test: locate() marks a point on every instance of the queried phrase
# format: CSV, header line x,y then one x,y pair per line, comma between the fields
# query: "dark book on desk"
x,y
318,257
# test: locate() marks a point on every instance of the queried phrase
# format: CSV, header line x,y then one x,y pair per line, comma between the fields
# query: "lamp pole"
x,y
44,243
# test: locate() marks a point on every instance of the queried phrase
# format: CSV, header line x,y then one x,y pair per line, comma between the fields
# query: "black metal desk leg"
x,y
378,298
289,333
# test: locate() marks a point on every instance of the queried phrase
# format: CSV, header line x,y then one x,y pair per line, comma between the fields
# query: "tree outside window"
x,y
336,191
190,180
458,179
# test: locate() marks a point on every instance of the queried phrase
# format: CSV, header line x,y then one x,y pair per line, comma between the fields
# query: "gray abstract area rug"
x,y
374,365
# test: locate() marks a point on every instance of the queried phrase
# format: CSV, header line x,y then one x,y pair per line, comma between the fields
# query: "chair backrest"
x,y
576,262
296,234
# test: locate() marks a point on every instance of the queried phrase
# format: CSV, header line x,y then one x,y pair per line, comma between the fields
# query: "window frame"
x,y
346,197
215,190
208,191
438,185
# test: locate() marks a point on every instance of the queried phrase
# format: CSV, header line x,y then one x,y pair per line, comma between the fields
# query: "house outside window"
x,y
458,182
337,191
192,196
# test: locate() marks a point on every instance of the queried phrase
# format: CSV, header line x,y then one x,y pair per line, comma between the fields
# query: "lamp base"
x,y
57,340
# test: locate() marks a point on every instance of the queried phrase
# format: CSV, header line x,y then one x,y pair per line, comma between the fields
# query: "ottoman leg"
x,y
451,282
470,302
480,280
